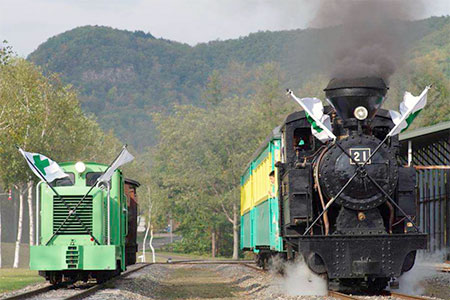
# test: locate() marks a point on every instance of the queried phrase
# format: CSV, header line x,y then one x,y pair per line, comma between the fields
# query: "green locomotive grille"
x,y
72,257
72,225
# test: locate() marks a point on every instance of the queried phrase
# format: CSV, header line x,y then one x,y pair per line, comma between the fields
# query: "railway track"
x,y
407,297
395,295
247,263
32,293
78,293
445,269
341,296
74,293
210,262
344,296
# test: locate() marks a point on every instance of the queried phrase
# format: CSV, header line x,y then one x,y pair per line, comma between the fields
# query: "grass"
x,y
14,279
195,283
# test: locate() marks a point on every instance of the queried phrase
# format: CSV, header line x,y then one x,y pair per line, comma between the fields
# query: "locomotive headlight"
x,y
80,167
361,113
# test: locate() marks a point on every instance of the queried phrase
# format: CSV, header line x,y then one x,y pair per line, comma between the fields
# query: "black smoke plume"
x,y
371,41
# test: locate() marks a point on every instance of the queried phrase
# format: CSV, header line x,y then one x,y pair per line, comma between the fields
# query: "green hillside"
x,y
123,76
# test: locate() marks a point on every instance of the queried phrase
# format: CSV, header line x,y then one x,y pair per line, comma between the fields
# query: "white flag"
x,y
320,122
410,107
123,158
42,166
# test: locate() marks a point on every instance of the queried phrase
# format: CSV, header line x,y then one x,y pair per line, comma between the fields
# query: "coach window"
x,y
65,181
91,177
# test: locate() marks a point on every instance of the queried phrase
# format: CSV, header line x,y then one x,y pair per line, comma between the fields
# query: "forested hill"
x,y
123,75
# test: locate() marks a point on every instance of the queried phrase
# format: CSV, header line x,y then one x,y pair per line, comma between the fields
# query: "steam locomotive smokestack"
x,y
346,95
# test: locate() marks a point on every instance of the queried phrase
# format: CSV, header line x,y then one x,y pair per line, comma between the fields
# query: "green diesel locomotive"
x,y
83,235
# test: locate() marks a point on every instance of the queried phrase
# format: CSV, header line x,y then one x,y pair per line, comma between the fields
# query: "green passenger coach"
x,y
78,240
260,230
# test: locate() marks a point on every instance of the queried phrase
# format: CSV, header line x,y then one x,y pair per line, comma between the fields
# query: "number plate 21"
x,y
360,155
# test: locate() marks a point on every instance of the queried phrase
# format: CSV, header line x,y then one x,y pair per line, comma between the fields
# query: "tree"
x,y
199,162
42,115
213,91
19,227
6,53
202,153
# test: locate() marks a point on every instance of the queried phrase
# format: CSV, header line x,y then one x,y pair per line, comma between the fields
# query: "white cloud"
x,y
28,23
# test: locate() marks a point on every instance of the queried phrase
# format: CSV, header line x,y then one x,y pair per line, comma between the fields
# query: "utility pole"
x,y
171,229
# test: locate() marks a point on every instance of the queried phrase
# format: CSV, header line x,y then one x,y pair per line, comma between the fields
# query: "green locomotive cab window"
x,y
91,177
66,181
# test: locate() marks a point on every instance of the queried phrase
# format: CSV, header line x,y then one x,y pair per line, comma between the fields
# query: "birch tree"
x,y
22,190
42,115
5,55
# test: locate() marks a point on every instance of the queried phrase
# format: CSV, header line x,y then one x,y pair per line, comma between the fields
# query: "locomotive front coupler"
x,y
361,256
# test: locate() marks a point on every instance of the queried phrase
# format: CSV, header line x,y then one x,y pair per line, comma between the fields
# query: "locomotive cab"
x,y
365,237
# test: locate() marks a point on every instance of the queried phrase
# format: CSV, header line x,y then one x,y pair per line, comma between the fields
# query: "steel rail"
x,y
32,293
97,287
261,270
208,262
445,269
79,295
407,297
342,296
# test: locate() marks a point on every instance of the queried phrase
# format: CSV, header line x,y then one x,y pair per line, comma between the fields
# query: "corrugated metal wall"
x,y
432,151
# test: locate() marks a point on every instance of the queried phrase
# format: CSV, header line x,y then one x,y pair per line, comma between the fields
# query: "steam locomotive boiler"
x,y
346,206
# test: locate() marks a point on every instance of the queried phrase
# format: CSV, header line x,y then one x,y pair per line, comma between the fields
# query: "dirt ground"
x,y
196,282
205,281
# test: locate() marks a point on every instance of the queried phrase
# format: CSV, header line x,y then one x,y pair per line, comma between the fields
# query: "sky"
x,y
26,24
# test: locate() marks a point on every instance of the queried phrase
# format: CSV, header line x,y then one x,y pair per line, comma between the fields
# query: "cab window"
x,y
91,177
66,181
302,139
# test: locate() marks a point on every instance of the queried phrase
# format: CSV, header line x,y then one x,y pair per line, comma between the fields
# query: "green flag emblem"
x,y
41,164
313,123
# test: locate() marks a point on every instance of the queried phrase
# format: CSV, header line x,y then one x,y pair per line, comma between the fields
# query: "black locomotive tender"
x,y
367,237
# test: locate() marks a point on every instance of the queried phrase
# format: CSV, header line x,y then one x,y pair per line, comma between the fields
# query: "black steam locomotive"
x,y
348,207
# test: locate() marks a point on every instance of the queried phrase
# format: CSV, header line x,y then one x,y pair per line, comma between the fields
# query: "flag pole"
x,y
328,131
40,174
123,147
71,212
408,112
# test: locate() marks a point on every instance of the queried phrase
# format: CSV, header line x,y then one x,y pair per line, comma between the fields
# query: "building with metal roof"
x,y
428,150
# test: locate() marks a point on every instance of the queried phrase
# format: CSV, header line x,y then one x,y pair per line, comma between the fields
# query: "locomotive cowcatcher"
x,y
348,206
